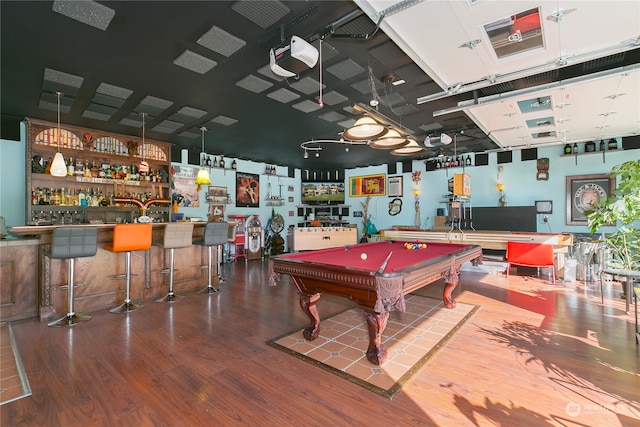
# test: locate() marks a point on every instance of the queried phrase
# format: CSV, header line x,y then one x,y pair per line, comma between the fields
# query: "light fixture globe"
x,y
365,129
389,141
203,175
58,167
412,148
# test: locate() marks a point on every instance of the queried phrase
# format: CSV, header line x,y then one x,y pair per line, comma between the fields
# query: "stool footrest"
x,y
167,271
65,287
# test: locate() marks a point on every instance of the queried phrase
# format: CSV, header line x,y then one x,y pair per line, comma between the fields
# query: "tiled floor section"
x,y
410,338
12,385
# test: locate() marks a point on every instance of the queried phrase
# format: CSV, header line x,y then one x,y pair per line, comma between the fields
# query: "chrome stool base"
x,y
125,307
70,320
209,290
169,298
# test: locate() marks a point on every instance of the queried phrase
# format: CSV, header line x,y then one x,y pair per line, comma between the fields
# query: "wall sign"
x,y
583,192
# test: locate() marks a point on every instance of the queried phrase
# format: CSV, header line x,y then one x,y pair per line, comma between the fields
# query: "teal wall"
x,y
13,191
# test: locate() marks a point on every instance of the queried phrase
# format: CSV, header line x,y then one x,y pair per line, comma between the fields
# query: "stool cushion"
x,y
73,242
178,235
130,237
215,233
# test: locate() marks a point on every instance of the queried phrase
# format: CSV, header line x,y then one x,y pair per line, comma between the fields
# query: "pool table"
x,y
376,276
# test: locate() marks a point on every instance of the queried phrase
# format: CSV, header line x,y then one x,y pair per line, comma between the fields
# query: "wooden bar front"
x,y
101,291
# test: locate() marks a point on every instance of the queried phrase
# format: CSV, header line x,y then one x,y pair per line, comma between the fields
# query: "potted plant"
x,y
622,207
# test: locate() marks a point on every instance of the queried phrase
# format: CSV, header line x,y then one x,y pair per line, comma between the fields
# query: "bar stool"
x,y
176,235
128,238
70,243
215,234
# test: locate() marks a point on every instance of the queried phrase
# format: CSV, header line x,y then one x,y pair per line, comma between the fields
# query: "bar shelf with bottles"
x,y
101,167
448,162
211,161
591,147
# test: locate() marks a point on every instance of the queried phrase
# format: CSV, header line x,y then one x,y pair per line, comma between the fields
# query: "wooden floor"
x,y
532,355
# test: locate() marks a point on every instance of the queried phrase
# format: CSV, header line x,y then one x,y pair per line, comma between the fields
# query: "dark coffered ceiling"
x,y
206,63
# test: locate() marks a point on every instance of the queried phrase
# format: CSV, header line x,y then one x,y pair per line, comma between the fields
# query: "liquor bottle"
x,y
590,147
82,197
215,162
468,161
567,149
602,145
574,149
437,164
221,161
234,165
71,166
208,161
613,144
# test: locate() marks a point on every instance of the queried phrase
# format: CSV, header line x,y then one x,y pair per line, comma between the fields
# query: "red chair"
x,y
238,247
531,255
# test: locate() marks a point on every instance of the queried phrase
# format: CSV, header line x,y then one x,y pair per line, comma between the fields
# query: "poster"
x,y
247,190
184,189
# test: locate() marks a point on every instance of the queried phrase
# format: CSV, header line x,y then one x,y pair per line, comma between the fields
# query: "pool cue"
x,y
384,264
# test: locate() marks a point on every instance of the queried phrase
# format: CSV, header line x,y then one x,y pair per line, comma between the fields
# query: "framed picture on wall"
x,y
217,194
217,213
369,185
583,192
247,190
395,186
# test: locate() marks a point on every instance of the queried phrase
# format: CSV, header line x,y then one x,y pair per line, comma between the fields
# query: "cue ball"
x,y
363,256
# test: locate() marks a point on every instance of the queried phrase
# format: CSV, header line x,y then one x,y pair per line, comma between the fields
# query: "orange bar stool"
x,y
176,235
215,234
128,238
69,243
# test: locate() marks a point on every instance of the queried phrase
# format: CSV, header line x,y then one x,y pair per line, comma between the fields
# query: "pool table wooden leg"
x,y
376,322
451,281
308,304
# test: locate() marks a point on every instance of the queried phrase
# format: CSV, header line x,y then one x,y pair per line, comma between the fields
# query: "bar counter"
x,y
101,291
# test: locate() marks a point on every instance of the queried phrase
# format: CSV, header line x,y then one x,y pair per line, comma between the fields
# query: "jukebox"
x,y
254,237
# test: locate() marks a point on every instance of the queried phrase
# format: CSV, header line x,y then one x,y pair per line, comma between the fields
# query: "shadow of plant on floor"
x,y
610,384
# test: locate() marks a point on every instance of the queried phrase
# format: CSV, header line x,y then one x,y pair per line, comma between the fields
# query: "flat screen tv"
x,y
323,193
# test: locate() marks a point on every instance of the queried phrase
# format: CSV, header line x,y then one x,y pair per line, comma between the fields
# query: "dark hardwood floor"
x,y
532,355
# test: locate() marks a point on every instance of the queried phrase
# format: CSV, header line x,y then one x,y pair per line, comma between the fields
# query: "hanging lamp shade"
x,y
58,167
365,129
389,141
203,177
410,149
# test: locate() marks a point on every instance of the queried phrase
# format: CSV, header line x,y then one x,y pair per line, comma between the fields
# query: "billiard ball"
x,y
363,256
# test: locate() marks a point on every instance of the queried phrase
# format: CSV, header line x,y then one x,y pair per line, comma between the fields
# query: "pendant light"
x,y
143,166
203,174
58,167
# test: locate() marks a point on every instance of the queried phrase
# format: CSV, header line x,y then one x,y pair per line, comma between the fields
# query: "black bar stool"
x,y
176,235
70,243
128,238
215,234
